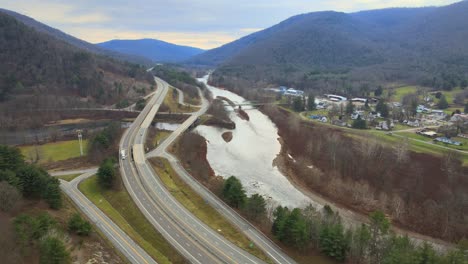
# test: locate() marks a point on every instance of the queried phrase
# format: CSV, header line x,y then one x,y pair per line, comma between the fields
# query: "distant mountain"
x,y
75,41
38,71
340,51
153,49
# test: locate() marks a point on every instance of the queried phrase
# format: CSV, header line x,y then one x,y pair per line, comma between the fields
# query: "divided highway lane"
x,y
152,208
190,236
131,250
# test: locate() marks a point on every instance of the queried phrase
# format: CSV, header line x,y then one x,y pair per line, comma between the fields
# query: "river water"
x,y
250,154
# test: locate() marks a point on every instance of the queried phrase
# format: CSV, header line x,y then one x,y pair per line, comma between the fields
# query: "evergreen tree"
x,y
443,104
311,102
33,181
298,104
53,251
255,206
106,174
359,123
52,194
378,91
349,107
79,225
294,231
234,193
280,215
466,108
382,108
333,241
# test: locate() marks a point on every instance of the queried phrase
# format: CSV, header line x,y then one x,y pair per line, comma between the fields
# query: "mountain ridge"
x,y
421,46
58,34
153,49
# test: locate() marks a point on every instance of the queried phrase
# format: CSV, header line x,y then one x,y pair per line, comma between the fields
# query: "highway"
x,y
256,236
131,250
192,238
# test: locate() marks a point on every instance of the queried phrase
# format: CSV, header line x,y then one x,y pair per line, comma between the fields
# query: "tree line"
x,y
42,231
29,180
373,243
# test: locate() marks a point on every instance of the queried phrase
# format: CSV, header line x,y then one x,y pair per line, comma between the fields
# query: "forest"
x,y
423,193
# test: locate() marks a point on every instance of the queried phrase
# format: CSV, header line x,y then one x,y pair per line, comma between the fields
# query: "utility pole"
x,y
80,140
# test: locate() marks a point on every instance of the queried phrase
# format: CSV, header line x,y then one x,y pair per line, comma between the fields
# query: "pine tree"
x,y
311,106
443,104
234,193
106,174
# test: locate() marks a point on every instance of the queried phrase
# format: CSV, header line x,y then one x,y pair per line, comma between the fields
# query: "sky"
x,y
204,24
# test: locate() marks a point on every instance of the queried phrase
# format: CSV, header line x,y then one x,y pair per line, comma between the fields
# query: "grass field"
x,y
119,206
69,177
464,141
415,146
402,91
203,211
172,103
57,151
161,135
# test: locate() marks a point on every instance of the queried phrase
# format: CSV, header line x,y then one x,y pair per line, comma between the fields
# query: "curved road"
x,y
131,250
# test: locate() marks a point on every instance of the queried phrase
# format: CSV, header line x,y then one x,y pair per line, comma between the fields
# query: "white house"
x,y
336,98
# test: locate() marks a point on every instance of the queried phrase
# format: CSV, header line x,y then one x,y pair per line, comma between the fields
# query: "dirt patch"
x,y
191,150
216,122
227,136
243,115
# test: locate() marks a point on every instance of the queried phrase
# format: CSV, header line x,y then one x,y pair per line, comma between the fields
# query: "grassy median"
x,y
202,210
69,177
119,206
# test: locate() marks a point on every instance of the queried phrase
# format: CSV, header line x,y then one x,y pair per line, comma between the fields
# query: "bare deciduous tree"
x,y
9,196
401,151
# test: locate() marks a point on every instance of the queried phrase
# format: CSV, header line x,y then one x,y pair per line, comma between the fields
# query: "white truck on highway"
x,y
123,154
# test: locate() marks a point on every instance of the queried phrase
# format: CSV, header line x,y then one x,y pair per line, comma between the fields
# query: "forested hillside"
x,y
152,49
39,71
345,52
75,41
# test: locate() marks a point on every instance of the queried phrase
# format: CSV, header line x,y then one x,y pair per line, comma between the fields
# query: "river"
x,y
250,154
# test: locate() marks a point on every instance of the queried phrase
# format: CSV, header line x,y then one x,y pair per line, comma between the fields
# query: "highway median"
x,y
201,209
118,205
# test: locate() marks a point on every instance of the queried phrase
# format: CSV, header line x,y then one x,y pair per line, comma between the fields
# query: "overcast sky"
x,y
199,23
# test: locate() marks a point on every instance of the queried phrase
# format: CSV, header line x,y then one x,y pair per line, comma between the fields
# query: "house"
x,y
439,114
294,92
359,100
336,98
447,141
414,123
423,109
382,126
427,133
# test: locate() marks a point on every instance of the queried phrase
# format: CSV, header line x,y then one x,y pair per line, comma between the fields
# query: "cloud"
x,y
204,40
56,13
204,24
